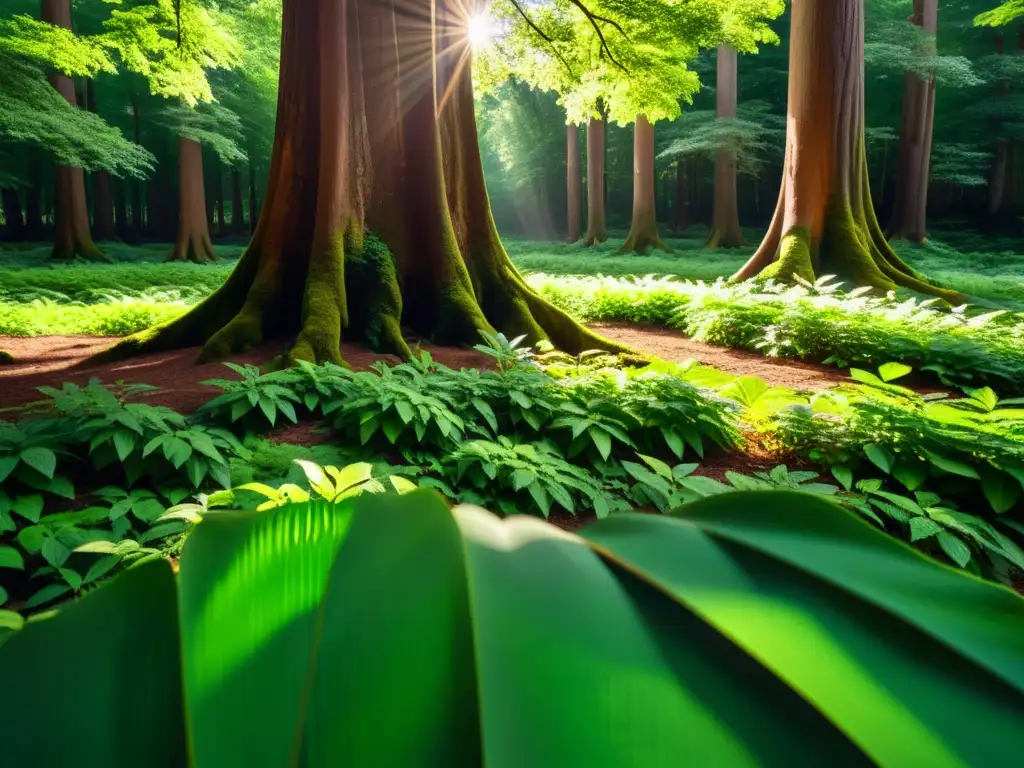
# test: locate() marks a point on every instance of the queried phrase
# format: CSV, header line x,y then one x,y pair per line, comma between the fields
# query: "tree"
x,y
435,264
572,182
824,222
597,219
725,231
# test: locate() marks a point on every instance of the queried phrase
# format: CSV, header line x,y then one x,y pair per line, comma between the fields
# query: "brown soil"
x,y
672,346
51,360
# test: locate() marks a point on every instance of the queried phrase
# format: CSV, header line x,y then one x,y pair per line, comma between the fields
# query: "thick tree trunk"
x,y
597,227
573,183
72,237
14,224
915,146
310,273
643,232
824,223
237,212
254,206
725,231
193,241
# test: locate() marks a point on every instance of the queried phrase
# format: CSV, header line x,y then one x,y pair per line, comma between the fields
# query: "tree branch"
x,y
540,33
593,18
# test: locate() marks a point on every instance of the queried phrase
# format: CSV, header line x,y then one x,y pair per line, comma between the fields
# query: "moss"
x,y
794,257
374,298
847,252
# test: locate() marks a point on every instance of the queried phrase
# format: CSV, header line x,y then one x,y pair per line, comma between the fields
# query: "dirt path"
x,y
673,346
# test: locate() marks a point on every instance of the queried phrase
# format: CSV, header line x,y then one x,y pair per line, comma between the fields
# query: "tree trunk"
x,y
237,212
311,274
218,191
102,206
254,212
725,230
643,232
34,198
824,222
72,237
193,241
120,209
138,220
14,224
915,145
597,227
681,199
573,183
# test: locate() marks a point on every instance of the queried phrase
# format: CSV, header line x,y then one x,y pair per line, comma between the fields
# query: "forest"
x,y
516,382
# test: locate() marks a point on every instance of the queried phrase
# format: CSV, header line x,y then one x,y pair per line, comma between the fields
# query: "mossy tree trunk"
x,y
824,222
73,237
643,231
193,241
572,182
597,226
909,214
311,273
725,231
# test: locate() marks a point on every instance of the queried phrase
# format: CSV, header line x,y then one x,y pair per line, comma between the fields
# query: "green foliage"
x,y
262,598
1001,15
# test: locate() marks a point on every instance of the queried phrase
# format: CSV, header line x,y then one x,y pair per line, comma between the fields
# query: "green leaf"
x,y
910,472
952,466
892,371
522,478
923,528
11,558
659,466
47,594
43,460
402,485
879,456
1001,490
986,397
602,441
705,486
177,451
30,507
673,440
866,377
55,553
485,410
746,390
9,620
351,476
957,551
124,444
540,498
100,568
7,465
844,475
72,578
61,486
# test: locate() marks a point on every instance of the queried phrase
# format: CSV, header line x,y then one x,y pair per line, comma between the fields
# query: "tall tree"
x,y
725,231
824,222
597,221
643,230
573,181
311,272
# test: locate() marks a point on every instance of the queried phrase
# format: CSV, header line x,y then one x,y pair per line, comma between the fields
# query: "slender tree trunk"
x,y
14,224
824,223
643,232
915,146
121,209
138,220
237,212
573,183
34,198
102,200
218,191
311,273
72,237
681,199
193,241
254,206
597,227
725,230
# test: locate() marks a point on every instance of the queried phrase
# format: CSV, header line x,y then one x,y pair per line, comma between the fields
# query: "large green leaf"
x,y
98,685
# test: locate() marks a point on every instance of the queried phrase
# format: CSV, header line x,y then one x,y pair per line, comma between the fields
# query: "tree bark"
x,y
681,198
725,230
573,183
254,212
237,211
824,222
193,241
121,209
102,200
34,198
72,237
597,227
14,224
311,273
910,204
643,232
218,192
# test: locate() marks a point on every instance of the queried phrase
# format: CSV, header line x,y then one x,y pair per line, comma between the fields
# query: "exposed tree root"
x,y
195,247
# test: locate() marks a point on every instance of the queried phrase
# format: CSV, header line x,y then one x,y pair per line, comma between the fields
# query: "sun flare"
x,y
480,30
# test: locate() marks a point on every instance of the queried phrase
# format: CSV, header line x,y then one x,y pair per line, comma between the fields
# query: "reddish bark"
x,y
572,181
72,236
597,227
725,231
193,241
643,231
